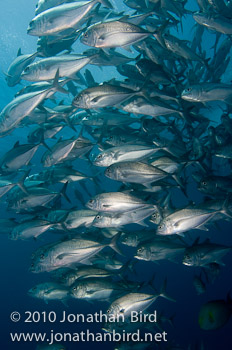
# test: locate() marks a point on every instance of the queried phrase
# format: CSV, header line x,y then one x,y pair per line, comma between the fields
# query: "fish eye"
x,y
189,90
74,288
187,256
139,250
204,183
26,69
32,265
99,156
85,35
98,217
42,256
91,201
160,226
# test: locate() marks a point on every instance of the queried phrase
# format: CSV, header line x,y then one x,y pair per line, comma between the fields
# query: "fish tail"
x,y
163,292
114,243
56,84
21,181
106,3
63,192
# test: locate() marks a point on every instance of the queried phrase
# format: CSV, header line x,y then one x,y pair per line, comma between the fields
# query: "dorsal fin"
x,y
16,144
19,53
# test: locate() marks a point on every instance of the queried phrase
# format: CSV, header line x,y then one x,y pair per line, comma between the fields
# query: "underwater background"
x,y
16,279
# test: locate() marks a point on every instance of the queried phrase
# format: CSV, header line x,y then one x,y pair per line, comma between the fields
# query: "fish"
x,y
77,218
159,249
134,301
66,253
13,74
214,314
18,157
44,5
205,92
186,219
135,172
103,95
46,68
49,291
120,219
123,154
61,18
199,284
217,23
67,278
116,202
97,289
179,48
133,239
64,150
34,197
21,106
111,34
30,229
203,254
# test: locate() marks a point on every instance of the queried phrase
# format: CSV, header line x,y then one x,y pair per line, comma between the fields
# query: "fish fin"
x,y
127,48
21,181
106,3
66,118
89,78
16,144
113,244
225,208
19,53
147,3
202,227
163,291
64,301
63,194
86,262
219,262
56,83
142,223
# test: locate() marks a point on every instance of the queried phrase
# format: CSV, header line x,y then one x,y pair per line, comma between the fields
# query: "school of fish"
x,y
150,134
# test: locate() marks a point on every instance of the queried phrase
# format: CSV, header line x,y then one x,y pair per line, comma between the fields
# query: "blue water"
x,y
16,279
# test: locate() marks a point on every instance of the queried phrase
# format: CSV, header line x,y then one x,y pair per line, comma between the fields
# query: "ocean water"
x,y
15,257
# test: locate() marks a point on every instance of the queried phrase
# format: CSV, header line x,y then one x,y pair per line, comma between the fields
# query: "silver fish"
x,y
116,202
113,34
61,18
123,154
49,291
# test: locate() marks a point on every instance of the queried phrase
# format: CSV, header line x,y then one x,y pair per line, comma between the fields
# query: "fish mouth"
x,y
185,96
138,257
